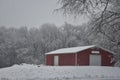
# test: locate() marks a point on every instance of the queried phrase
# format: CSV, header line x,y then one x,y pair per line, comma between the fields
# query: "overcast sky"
x,y
32,13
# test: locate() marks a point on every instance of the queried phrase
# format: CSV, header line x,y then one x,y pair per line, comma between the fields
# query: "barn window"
x,y
95,52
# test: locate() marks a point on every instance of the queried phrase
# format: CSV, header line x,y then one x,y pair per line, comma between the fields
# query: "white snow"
x,y
33,72
70,50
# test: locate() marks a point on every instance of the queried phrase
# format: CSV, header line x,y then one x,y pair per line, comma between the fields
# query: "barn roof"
x,y
70,50
75,50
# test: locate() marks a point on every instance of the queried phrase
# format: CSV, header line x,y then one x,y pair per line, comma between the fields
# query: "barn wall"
x,y
64,59
106,58
49,59
82,58
67,59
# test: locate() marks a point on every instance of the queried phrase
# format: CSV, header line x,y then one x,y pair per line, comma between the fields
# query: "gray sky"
x,y
32,13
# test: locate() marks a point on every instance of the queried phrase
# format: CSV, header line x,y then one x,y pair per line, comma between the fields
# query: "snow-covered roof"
x,y
70,50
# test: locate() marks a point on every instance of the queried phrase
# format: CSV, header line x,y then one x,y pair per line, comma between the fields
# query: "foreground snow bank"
x,y
33,72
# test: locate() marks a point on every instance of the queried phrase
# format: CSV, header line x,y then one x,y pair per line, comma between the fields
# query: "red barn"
x,y
80,56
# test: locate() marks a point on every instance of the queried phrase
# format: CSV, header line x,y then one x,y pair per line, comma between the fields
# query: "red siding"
x,y
49,59
64,59
106,58
82,58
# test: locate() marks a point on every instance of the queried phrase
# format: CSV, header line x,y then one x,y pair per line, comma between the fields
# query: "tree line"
x,y
29,45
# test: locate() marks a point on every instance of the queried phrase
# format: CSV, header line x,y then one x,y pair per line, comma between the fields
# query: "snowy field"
x,y
33,72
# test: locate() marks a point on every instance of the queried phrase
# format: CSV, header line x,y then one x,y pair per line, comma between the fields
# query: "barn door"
x,y
56,60
95,60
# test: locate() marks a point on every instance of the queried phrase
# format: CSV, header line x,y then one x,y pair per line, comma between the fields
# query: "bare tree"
x,y
104,16
102,12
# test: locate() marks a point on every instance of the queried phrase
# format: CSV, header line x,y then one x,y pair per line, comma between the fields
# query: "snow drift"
x,y
41,72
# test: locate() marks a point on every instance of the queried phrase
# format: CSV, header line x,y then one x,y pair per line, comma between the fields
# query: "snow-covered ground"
x,y
33,72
